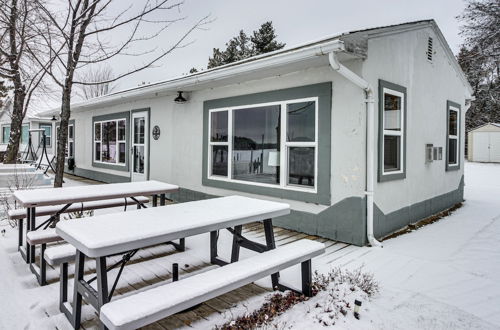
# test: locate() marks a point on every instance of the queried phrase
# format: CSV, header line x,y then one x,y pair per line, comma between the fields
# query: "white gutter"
x,y
262,62
370,140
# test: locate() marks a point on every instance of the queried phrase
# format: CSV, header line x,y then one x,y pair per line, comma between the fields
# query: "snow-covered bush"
x,y
336,292
333,296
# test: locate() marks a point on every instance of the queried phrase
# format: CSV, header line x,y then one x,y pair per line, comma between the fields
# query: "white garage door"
x,y
486,147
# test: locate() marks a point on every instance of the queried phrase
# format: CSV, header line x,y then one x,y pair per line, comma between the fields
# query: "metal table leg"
x,y
271,244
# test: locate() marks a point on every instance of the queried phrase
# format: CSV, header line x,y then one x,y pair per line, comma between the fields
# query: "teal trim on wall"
x,y
111,116
381,176
386,224
459,155
324,93
97,175
345,221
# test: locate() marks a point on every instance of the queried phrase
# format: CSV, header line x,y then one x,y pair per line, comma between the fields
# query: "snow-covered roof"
x,y
269,63
492,124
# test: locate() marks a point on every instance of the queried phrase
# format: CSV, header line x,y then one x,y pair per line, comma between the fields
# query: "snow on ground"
x,y
442,276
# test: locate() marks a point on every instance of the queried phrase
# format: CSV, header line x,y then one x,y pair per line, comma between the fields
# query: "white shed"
x,y
484,143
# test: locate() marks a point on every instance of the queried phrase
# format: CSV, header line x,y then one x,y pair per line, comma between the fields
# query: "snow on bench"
x,y
60,254
18,214
149,306
42,236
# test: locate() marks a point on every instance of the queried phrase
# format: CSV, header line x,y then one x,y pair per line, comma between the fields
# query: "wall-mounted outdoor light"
x,y
180,99
54,118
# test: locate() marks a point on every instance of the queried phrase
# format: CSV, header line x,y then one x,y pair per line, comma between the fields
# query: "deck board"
x,y
153,266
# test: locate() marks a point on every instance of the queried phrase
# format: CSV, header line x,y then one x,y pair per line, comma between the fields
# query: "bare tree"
x,y
102,73
88,30
479,58
17,65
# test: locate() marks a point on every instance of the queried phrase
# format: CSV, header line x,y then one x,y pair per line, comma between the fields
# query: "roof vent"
x,y
430,49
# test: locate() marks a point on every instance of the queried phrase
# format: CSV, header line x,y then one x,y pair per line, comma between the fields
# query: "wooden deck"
x,y
152,266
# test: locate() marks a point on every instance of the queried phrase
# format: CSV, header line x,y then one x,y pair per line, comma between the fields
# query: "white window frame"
x,y
117,156
454,137
72,141
400,133
42,125
284,147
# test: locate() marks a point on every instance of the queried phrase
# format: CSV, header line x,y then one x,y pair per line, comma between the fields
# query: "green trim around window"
x,y
459,128
5,127
323,92
117,115
396,176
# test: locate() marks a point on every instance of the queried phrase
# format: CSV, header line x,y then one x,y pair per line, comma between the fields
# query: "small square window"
x,y
219,126
301,166
392,147
219,160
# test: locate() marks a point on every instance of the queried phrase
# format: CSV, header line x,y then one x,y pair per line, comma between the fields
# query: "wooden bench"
x,y
149,306
49,235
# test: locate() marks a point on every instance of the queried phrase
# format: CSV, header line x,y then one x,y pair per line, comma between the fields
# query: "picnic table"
x,y
113,234
63,199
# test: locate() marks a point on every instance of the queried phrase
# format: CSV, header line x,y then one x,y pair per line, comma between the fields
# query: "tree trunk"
x,y
15,128
62,136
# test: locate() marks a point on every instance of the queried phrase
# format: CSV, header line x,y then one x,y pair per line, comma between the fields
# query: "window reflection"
x,y
256,144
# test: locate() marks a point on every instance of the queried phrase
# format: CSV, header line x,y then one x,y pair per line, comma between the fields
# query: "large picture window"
x,y
272,144
392,131
453,136
110,141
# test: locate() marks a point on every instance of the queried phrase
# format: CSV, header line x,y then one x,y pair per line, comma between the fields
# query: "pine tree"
x,y
264,39
216,59
242,47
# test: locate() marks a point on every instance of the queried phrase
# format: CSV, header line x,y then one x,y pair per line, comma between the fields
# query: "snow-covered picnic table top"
x,y
119,232
75,194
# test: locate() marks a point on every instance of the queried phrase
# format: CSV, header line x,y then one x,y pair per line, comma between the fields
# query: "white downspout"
x,y
370,140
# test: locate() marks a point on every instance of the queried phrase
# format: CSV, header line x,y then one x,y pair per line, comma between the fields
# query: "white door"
x,y
481,147
140,146
495,147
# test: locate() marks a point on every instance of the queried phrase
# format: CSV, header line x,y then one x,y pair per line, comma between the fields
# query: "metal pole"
x,y
175,272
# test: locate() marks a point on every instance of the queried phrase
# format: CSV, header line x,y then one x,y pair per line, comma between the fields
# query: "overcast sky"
x,y
295,22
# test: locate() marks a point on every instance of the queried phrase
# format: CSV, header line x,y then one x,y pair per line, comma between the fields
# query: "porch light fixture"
x,y
180,99
54,118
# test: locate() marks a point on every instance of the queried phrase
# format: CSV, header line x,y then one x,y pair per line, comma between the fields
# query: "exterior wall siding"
x,y
177,156
401,59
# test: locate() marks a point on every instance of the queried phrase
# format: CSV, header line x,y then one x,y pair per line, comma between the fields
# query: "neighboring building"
x,y
294,126
29,122
484,143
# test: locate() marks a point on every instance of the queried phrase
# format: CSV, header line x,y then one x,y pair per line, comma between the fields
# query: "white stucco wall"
x,y
401,59
177,156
